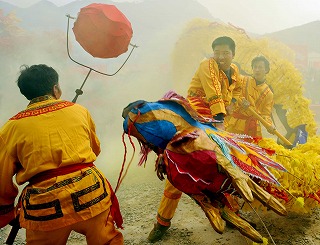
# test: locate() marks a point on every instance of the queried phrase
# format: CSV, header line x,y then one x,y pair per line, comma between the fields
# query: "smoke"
x,y
145,76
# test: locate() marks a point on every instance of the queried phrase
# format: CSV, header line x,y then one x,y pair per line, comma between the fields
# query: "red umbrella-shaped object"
x,y
103,30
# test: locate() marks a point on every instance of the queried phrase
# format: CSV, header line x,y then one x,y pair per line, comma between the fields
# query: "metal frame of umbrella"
x,y
80,91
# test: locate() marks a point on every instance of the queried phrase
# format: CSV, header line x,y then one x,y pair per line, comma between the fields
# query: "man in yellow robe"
x,y
210,92
214,83
52,144
257,94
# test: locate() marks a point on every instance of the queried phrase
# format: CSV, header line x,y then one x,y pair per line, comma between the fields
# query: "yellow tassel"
x,y
298,206
300,202
265,242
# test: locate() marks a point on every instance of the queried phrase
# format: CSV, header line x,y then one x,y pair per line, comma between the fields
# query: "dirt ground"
x,y
139,197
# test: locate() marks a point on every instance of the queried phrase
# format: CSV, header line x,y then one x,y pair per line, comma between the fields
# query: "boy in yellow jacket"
x,y
257,94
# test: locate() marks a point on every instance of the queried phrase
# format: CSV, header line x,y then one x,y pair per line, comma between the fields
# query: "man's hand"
x,y
230,108
219,126
271,129
244,103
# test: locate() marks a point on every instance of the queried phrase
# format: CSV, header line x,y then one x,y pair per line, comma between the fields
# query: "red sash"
x,y
58,172
250,124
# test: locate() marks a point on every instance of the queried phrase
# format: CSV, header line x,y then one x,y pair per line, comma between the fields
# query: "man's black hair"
x,y
225,41
37,80
261,58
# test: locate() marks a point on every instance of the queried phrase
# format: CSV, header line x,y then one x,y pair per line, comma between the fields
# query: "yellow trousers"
x,y
97,231
168,205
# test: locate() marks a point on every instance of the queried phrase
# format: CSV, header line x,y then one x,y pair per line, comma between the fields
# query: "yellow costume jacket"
x,y
211,86
260,97
48,135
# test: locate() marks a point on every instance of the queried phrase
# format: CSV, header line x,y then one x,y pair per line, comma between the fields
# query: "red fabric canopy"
x,y
103,30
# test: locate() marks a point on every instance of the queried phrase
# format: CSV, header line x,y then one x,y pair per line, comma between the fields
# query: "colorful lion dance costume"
x,y
213,167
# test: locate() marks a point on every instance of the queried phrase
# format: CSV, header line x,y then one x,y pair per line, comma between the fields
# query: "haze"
x,y
146,75
255,16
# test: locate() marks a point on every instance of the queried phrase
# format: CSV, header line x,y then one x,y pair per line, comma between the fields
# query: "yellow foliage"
x,y
302,178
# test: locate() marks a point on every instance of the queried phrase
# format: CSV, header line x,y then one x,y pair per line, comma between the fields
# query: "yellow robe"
x,y
48,135
260,97
209,93
210,86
